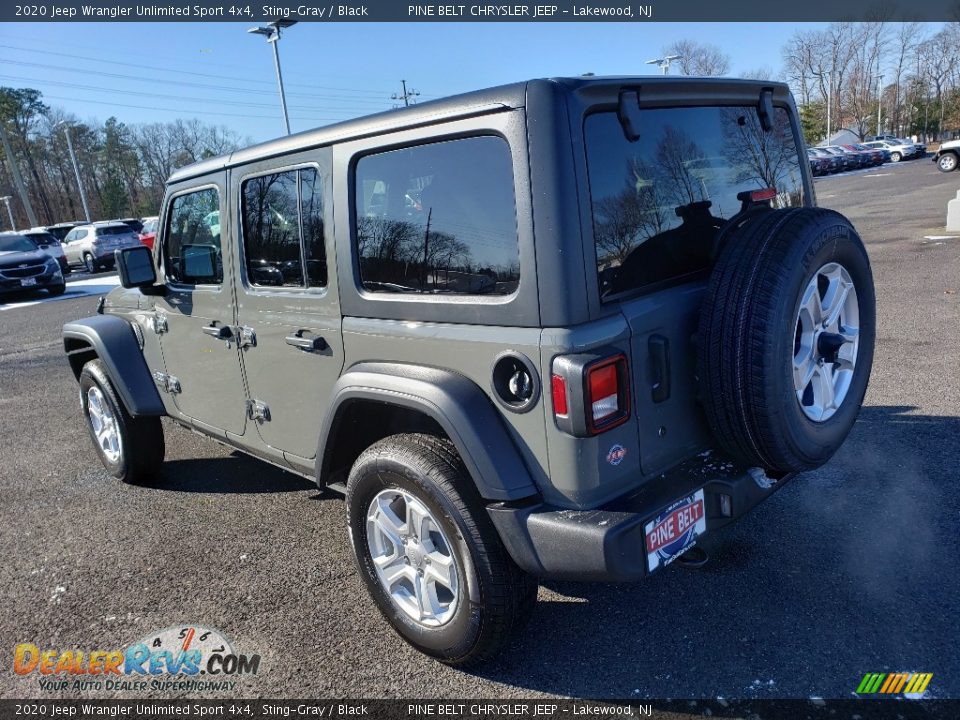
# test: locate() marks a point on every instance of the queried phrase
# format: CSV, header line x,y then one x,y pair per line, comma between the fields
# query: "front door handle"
x,y
220,333
310,344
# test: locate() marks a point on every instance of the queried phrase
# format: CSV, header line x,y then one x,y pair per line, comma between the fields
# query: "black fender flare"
x,y
113,340
456,403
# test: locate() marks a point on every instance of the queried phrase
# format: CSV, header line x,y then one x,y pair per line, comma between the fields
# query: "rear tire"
x,y
895,157
483,598
130,448
786,337
89,264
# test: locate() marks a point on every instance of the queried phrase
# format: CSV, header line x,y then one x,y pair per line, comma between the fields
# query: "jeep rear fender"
x,y
112,340
455,403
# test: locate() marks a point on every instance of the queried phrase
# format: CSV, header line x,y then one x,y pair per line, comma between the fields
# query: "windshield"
x,y
659,202
114,230
16,243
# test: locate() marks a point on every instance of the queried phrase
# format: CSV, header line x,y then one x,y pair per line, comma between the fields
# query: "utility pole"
x,y
272,32
426,247
6,201
406,95
17,178
76,167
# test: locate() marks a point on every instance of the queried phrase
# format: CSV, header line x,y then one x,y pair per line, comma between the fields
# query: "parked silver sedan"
x,y
93,245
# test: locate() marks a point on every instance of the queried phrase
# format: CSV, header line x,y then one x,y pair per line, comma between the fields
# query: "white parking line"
x,y
75,289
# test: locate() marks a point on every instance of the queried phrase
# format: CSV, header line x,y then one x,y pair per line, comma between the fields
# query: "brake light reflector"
x,y
559,388
608,401
761,195
603,392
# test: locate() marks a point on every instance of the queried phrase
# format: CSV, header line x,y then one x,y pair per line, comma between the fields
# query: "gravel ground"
x,y
842,572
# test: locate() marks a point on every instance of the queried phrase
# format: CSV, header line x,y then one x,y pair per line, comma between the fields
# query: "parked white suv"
x,y
93,245
899,149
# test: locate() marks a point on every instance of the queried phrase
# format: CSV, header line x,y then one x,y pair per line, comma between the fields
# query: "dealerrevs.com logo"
x,y
183,658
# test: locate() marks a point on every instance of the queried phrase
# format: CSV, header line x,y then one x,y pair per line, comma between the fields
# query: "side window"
x,y
192,245
438,219
282,216
70,237
81,234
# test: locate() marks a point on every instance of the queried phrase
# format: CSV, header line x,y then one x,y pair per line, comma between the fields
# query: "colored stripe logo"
x,y
894,683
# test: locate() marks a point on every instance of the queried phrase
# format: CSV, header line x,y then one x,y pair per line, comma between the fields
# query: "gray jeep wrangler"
x,y
555,329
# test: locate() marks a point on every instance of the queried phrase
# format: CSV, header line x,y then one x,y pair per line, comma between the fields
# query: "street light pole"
x,y
272,32
879,100
6,201
664,62
76,168
829,101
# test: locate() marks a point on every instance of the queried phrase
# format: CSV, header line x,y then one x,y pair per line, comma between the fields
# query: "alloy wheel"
x,y
104,424
413,558
825,342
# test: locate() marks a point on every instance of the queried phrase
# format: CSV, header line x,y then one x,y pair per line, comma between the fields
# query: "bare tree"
x,y
701,59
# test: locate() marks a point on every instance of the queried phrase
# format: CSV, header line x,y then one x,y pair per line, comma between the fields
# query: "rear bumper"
x,y
608,543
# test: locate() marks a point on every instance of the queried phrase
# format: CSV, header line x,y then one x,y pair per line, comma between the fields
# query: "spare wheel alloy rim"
x,y
413,558
826,341
104,424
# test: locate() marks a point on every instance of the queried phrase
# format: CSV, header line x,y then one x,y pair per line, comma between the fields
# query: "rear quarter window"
x,y
659,202
438,218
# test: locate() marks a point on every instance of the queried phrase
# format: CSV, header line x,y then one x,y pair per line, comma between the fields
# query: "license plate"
x,y
675,530
27,282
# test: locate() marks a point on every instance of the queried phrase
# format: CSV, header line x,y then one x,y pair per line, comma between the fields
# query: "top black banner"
x,y
487,11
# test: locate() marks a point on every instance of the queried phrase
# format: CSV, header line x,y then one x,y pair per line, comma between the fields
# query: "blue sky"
x,y
142,72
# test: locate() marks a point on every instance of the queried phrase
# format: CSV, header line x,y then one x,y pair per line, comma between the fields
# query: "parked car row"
x,y
91,245
839,158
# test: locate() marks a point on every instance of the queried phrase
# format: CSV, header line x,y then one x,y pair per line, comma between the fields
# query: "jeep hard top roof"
x,y
478,102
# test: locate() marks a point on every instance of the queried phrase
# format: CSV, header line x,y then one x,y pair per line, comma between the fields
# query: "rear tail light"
x,y
590,395
607,398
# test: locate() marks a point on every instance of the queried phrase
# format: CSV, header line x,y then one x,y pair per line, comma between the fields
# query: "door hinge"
x,y
246,337
258,411
160,323
167,383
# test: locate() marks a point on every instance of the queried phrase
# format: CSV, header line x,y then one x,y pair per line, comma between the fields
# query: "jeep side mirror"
x,y
135,266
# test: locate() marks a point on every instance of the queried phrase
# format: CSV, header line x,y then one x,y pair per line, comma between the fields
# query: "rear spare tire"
x,y
786,338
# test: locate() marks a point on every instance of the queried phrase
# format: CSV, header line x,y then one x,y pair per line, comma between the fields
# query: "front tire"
x,y
428,553
947,162
130,448
895,157
55,290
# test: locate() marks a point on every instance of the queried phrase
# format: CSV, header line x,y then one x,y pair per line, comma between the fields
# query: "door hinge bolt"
x,y
258,411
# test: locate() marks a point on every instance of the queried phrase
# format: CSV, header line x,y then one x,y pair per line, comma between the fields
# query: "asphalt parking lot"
x,y
848,570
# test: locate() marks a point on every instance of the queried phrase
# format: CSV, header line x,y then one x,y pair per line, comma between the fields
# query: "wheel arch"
x,y
112,340
374,400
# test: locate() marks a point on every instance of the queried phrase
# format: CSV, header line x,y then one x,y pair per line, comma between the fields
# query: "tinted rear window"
x,y
659,202
438,218
114,230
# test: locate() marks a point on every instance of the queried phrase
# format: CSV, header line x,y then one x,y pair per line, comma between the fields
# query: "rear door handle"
x,y
310,344
220,333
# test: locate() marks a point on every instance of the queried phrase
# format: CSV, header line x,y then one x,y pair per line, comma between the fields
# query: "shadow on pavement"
x,y
779,610
237,473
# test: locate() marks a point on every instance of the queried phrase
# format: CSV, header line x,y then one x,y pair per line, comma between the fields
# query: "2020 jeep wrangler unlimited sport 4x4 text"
x,y
556,329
